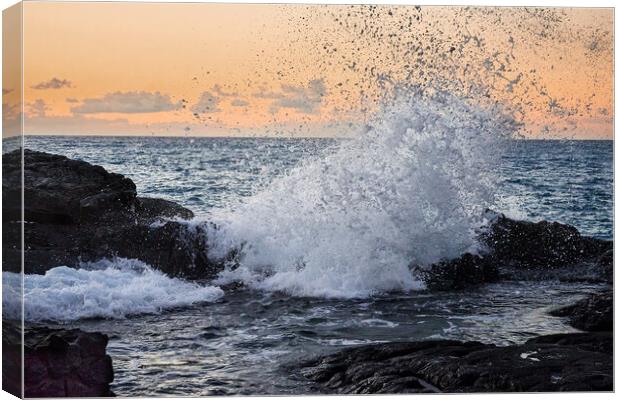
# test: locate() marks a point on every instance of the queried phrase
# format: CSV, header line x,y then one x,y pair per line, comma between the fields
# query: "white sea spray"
x,y
410,190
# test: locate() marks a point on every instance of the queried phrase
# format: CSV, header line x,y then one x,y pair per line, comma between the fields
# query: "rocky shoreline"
x,y
76,212
561,362
566,362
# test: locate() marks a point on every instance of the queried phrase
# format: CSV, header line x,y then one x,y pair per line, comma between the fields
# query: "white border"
x,y
504,3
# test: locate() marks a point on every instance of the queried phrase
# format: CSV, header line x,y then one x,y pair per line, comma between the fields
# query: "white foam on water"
x,y
377,322
108,288
409,190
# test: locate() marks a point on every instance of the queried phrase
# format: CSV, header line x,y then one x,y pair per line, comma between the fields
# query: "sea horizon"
x,y
284,137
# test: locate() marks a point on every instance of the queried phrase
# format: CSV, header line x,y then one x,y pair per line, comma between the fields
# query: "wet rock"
x,y
535,245
77,212
173,247
467,270
58,362
11,358
59,190
568,362
523,250
594,313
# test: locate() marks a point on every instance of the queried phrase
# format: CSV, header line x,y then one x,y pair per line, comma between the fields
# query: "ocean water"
x,y
569,181
326,226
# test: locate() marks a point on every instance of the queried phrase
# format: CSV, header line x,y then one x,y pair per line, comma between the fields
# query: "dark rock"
x,y
467,270
59,190
606,262
58,362
569,362
541,244
149,208
601,342
11,358
524,250
173,247
77,212
594,313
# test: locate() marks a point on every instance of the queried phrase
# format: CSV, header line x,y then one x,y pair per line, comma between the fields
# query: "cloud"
x,y
220,92
10,110
38,108
265,94
71,100
208,103
127,102
53,83
239,103
303,99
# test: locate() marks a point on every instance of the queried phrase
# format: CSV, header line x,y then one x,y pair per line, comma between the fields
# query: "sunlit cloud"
x,y
38,108
217,88
239,103
127,102
53,83
304,99
208,103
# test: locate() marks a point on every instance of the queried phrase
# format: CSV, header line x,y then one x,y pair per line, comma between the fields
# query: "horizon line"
x,y
263,137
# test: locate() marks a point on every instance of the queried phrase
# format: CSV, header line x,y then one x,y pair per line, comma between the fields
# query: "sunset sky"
x,y
246,70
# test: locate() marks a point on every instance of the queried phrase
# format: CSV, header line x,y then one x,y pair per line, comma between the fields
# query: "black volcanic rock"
x,y
57,362
525,250
77,212
567,362
594,313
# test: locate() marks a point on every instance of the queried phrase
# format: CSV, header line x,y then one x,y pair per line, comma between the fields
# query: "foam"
x,y
109,289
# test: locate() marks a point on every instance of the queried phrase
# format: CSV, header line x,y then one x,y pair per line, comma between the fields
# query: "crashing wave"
x,y
410,189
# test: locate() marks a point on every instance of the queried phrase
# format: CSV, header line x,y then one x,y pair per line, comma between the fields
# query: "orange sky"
x,y
226,69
